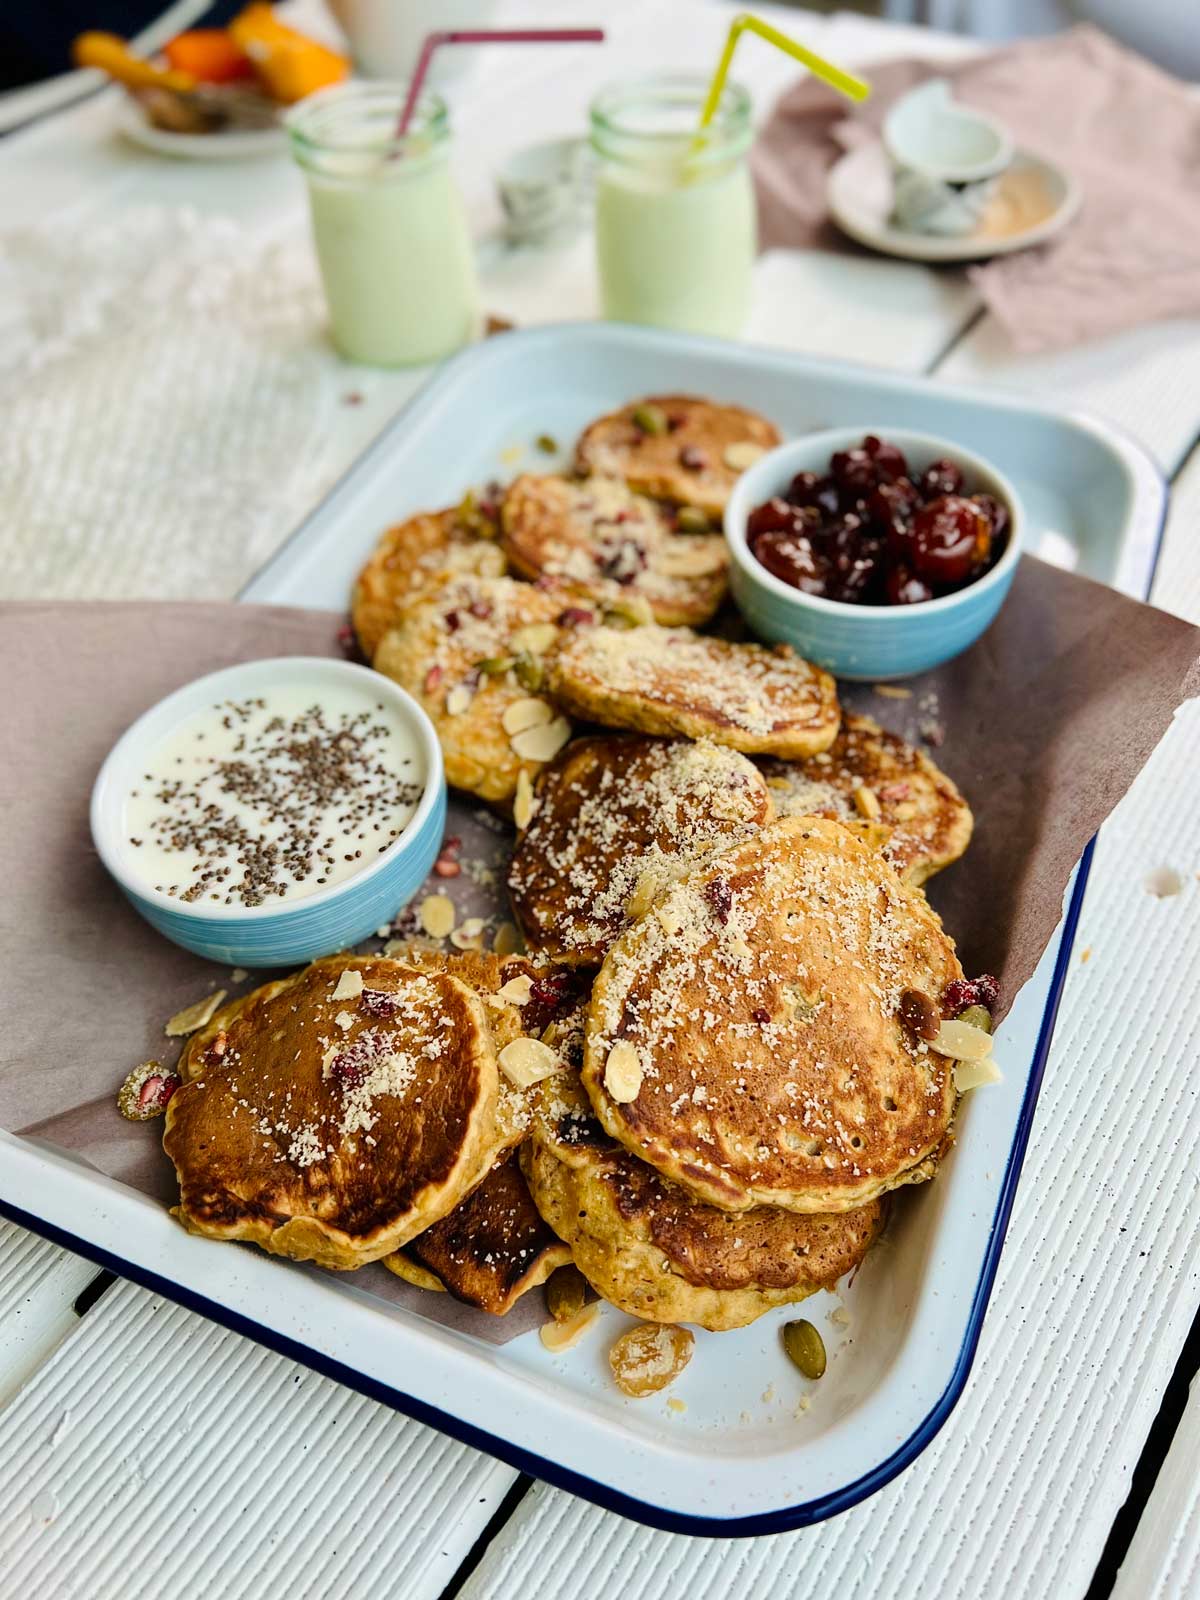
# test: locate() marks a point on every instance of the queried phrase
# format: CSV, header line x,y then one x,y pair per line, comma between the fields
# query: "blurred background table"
x,y
144,1451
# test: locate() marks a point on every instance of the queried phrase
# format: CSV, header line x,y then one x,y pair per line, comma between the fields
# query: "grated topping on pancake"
x,y
762,995
677,677
616,820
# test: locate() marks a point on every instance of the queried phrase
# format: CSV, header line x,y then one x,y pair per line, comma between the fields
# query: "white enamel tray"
x,y
742,1455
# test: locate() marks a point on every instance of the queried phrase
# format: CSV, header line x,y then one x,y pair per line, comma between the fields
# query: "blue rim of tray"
x,y
787,1518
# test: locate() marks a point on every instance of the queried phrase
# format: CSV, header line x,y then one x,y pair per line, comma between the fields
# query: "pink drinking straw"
x,y
486,36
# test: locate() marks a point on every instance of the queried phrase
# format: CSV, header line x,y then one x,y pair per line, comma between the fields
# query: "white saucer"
x,y
859,192
237,144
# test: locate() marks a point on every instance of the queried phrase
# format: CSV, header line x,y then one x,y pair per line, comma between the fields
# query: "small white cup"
x,y
385,36
945,160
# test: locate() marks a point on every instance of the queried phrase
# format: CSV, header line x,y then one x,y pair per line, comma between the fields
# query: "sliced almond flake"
x,y
350,985
469,934
541,743
458,700
645,892
670,920
866,802
690,558
961,1042
517,990
437,915
558,1336
528,1061
535,637
238,974
344,1020
623,1073
329,1058
742,453
892,691
523,804
507,939
973,1074
528,712
192,1018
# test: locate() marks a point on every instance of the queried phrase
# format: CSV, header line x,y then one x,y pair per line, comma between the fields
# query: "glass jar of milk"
x,y
388,223
675,216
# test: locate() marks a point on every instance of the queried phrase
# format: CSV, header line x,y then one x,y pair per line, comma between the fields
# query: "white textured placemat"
x,y
38,1287
165,387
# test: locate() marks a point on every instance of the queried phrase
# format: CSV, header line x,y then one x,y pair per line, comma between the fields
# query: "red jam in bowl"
x,y
869,532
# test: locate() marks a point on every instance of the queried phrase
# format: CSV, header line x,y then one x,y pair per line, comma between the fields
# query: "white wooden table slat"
x,y
39,1284
156,1453
1163,1560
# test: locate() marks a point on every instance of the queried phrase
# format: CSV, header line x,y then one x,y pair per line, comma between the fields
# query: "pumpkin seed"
x,y
805,1348
977,1017
547,444
690,519
493,666
530,673
649,419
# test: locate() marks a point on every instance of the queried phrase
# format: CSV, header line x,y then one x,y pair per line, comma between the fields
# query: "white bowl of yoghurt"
x,y
273,812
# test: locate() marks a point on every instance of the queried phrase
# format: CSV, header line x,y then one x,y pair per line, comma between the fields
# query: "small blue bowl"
x,y
289,933
871,644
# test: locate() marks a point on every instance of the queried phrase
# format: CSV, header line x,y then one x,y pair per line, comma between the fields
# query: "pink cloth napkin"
x,y
1128,132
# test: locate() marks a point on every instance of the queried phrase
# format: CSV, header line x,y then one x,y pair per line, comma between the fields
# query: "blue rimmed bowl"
x,y
866,643
283,934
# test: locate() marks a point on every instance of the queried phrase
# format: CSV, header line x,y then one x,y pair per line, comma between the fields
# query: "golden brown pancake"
x,y
656,1251
868,774
673,681
514,1011
615,546
471,650
615,819
745,1035
692,456
492,1248
411,556
332,1115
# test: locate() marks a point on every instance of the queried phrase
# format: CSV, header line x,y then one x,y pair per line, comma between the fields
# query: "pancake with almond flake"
x,y
521,999
471,650
673,681
615,546
615,820
868,774
677,447
411,556
333,1115
745,1037
657,1252
492,1248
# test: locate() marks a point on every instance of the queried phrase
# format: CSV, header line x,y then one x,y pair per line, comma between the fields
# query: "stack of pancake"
x,y
722,1046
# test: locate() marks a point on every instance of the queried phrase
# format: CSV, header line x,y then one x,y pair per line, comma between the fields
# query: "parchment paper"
x,y
1044,724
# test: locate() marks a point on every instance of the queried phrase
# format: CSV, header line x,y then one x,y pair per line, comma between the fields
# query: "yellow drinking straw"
x,y
854,88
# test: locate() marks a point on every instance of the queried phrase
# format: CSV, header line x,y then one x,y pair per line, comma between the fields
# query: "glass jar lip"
x,y
344,119
727,134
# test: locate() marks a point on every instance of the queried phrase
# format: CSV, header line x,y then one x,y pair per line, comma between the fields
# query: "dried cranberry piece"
x,y
348,1071
963,992
550,989
157,1091
947,538
575,617
215,1052
720,897
904,588
940,478
761,1015
693,458
378,1003
481,609
453,621
348,643
621,562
